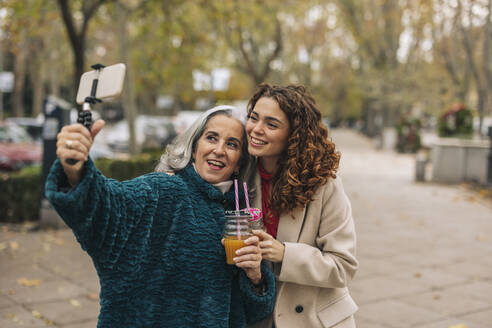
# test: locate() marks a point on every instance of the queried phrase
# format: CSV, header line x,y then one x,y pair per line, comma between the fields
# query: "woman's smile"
x,y
268,131
215,165
218,150
255,142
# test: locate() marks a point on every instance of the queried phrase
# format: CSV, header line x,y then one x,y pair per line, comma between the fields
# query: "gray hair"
x,y
179,153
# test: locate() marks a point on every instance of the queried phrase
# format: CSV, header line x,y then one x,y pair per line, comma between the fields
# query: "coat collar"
x,y
195,181
290,224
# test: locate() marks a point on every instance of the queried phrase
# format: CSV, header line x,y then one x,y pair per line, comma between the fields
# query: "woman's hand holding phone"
x,y
74,142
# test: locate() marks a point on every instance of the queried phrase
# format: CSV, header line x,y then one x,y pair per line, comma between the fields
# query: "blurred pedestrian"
x,y
156,240
310,236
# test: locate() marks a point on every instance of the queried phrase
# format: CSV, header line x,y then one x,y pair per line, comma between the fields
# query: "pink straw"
x,y
237,194
237,208
246,194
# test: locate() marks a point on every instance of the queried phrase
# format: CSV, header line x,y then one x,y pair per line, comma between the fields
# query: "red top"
x,y
270,217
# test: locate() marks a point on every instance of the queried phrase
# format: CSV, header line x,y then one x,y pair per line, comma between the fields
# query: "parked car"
x,y
33,126
327,121
184,119
150,132
17,148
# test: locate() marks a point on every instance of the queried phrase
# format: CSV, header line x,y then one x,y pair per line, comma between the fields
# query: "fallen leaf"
x,y
40,316
46,247
9,316
29,282
3,246
458,326
436,297
93,296
5,229
75,303
11,292
55,240
481,237
485,192
418,275
59,241
14,245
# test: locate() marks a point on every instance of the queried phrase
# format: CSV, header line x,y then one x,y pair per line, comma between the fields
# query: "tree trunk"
x,y
38,87
487,63
129,103
36,69
481,91
79,60
77,37
19,76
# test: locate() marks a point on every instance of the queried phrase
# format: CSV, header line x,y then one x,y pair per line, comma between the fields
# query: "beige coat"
x,y
319,261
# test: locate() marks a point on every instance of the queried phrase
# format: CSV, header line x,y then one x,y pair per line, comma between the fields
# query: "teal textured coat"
x,y
155,243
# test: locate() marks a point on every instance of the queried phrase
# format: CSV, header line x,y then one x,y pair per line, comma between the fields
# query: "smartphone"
x,y
109,84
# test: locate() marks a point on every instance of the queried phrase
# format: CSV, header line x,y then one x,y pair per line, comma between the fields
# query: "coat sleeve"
x,y
105,214
330,261
257,307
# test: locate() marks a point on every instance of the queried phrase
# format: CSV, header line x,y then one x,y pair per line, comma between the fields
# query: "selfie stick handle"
x,y
85,115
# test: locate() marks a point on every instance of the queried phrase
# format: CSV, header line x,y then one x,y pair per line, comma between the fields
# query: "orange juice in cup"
x,y
236,230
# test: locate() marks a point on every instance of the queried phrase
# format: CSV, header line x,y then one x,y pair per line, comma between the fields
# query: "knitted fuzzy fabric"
x,y
155,243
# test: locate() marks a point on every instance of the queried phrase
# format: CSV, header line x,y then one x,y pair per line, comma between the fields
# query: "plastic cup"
x,y
236,231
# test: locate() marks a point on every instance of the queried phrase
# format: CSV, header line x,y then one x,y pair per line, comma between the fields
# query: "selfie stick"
x,y
85,115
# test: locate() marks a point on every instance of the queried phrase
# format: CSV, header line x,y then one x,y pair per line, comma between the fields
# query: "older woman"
x,y
156,240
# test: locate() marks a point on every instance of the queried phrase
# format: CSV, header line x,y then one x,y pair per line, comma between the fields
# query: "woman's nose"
x,y
258,128
220,148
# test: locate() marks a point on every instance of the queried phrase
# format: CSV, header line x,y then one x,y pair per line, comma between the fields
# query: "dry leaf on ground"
x,y
481,237
93,296
38,315
11,316
29,282
14,245
55,239
75,303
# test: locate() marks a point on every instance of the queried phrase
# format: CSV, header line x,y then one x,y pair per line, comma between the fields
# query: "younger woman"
x,y
310,236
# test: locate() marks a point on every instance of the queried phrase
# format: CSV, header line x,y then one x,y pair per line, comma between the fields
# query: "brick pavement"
x,y
425,249
425,252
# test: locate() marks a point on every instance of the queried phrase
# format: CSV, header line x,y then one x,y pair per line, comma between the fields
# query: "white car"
x,y
150,132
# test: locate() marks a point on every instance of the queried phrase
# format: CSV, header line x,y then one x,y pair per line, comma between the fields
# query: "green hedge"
x,y
457,121
409,135
131,168
20,196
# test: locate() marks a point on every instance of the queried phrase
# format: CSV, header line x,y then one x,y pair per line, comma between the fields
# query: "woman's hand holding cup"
x,y
248,258
271,249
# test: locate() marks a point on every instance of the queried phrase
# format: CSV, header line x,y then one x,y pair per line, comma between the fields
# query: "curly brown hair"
x,y
310,157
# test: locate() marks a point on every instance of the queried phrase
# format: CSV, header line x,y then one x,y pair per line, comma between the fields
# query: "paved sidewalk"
x,y
425,252
425,249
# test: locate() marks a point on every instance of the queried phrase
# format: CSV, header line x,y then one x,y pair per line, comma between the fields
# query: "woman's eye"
x,y
252,118
233,145
211,138
272,125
